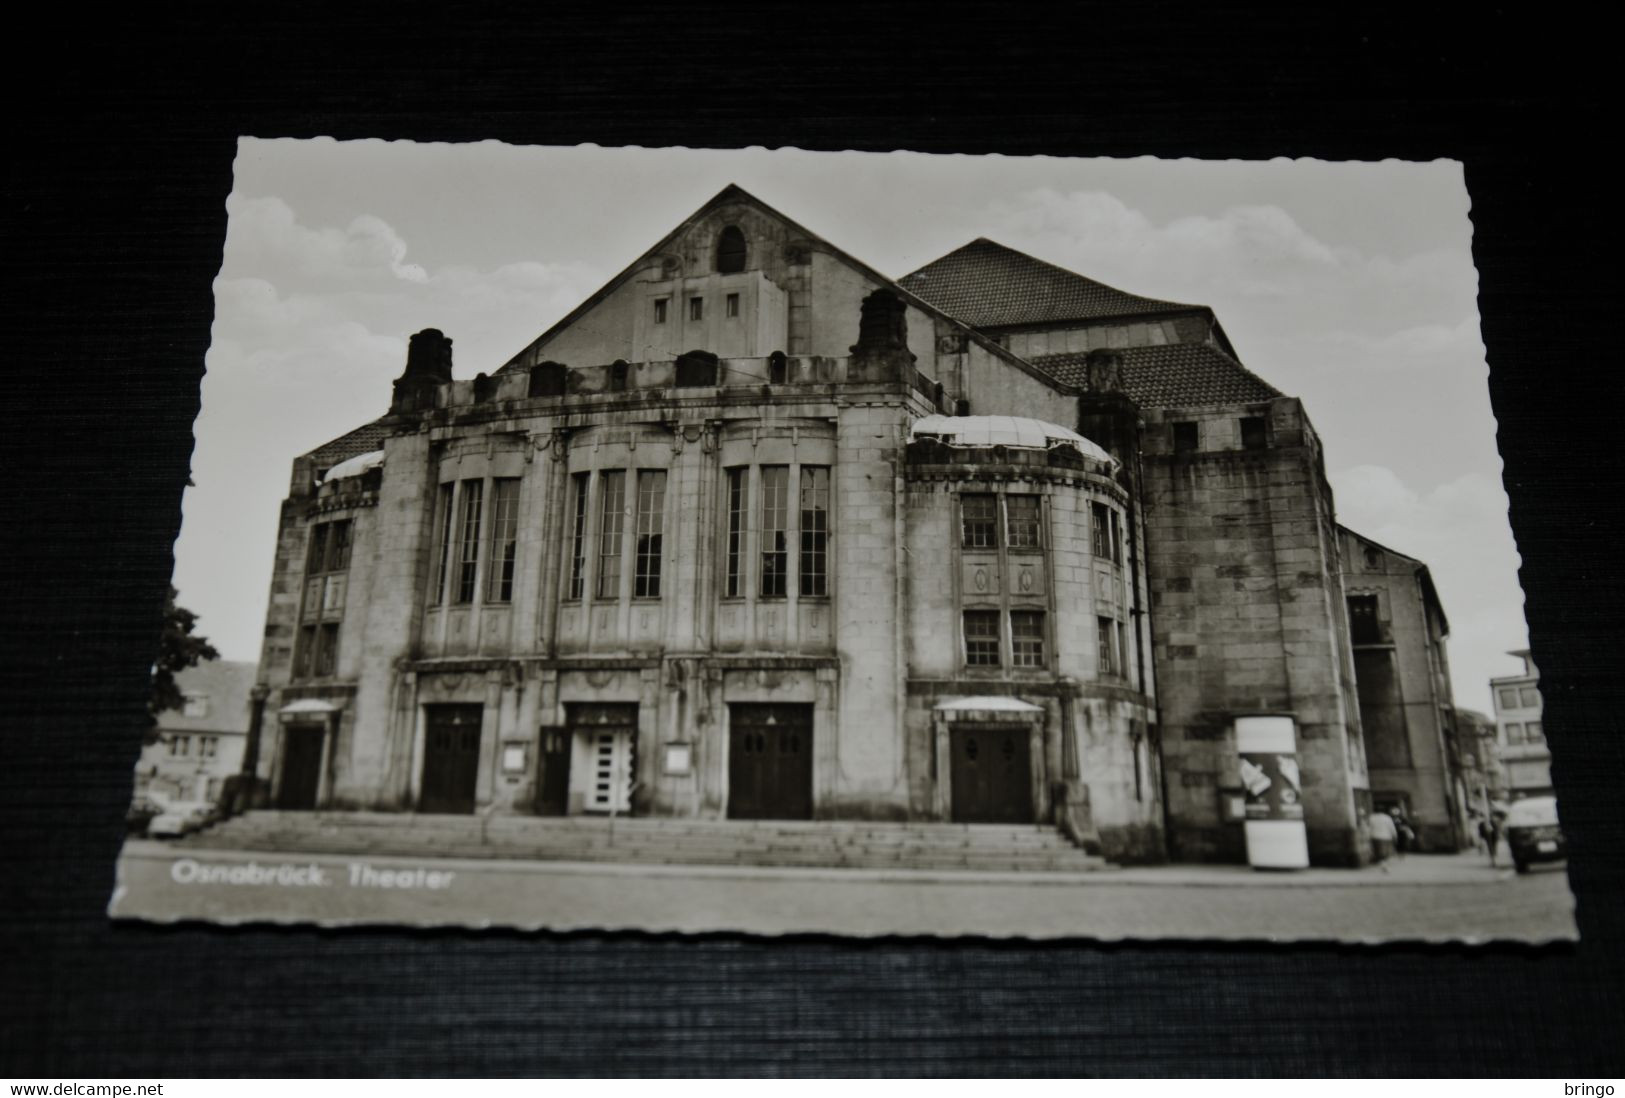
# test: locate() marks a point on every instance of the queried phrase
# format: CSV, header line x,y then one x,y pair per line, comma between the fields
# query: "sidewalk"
x,y
1471,868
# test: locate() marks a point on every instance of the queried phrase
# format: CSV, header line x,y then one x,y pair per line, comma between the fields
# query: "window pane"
x,y
1536,733
737,503
468,554
1027,638
611,520
651,518
1106,639
1100,530
733,304
660,311
316,558
1021,513
775,516
814,530
1529,698
1508,698
1363,627
1117,537
981,521
696,308
578,539
338,546
504,539
1514,732
982,638
443,546
327,650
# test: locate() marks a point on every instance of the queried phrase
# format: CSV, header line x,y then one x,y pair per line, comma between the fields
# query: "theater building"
x,y
758,532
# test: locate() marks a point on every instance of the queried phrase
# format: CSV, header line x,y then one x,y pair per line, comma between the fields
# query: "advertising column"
x,y
1268,750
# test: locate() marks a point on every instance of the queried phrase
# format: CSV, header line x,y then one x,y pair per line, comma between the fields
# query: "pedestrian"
x,y
1490,830
1404,834
1383,834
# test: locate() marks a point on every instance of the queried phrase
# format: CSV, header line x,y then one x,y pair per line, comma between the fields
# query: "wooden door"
x,y
770,770
451,758
553,782
991,774
301,767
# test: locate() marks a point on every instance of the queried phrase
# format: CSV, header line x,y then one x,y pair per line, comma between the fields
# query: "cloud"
x,y
264,235
1260,268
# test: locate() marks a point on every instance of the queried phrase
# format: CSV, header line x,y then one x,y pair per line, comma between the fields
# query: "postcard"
x,y
848,543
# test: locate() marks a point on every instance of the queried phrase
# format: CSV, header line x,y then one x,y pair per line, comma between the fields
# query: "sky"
x,y
1350,285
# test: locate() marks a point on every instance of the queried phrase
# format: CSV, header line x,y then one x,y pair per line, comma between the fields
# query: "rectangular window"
x,y
660,310
1186,438
1514,732
1022,522
504,539
1508,697
1528,697
304,655
982,638
1363,625
979,516
1100,530
183,745
338,546
316,557
814,531
651,520
1122,649
1253,433
442,546
1536,733
1117,537
174,745
1027,638
611,520
578,539
468,540
775,531
696,308
327,650
738,490
1106,638
207,745
733,304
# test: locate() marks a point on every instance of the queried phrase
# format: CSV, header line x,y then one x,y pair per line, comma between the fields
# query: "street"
x,y
1421,898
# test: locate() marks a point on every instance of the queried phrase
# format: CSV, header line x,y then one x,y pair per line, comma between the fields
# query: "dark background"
x,y
121,129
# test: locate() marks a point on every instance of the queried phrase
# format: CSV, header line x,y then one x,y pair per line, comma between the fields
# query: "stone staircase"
x,y
997,848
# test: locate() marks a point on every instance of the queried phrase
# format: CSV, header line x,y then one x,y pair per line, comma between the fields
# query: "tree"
x,y
178,648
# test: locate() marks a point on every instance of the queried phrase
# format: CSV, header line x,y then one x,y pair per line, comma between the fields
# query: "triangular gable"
x,y
733,193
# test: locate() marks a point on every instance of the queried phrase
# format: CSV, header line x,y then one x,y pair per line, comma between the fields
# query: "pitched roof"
x,y
226,684
988,285
362,440
1169,376
735,193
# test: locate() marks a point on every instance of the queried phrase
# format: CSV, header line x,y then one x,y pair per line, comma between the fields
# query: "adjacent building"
x,y
199,745
758,532
1525,759
1397,629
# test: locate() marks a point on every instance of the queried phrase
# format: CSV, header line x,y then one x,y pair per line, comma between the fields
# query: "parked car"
x,y
182,818
144,808
1533,833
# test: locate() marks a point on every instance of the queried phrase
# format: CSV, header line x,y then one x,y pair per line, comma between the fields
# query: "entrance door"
x,y
610,752
451,758
301,767
553,786
991,775
770,762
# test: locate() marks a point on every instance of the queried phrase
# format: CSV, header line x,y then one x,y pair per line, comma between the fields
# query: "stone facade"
x,y
1398,630
746,534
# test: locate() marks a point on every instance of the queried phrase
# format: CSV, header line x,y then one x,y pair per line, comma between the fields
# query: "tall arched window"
x,y
731,251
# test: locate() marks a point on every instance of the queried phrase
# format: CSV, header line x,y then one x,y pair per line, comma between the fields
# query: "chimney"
x,y
881,353
428,366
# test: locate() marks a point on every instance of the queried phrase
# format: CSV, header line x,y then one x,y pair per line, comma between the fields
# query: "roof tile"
x,y
362,440
1172,375
988,285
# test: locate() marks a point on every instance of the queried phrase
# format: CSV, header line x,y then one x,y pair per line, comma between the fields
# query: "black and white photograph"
x,y
846,543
